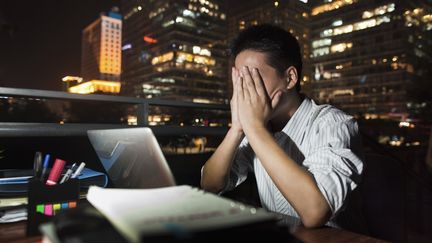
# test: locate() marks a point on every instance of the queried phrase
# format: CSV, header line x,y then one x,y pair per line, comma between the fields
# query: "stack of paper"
x,y
140,212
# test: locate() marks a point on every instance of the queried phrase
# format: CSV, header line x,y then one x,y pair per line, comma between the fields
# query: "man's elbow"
x,y
211,187
316,219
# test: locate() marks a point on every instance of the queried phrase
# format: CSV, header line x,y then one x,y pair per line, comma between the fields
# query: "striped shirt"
x,y
321,139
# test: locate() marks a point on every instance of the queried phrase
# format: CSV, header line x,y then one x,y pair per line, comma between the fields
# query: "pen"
x,y
55,172
78,170
45,167
68,174
37,165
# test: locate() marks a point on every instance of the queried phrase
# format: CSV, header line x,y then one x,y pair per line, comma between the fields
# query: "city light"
x,y
72,78
150,40
95,86
331,6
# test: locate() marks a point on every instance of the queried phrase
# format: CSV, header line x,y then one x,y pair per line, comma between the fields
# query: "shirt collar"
x,y
299,121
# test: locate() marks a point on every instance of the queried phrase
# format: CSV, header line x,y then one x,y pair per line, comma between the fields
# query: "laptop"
x,y
131,157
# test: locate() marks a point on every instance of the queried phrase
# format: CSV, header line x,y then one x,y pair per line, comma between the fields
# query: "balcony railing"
x,y
17,129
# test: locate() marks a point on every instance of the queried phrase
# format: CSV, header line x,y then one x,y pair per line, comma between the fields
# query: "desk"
x,y
15,232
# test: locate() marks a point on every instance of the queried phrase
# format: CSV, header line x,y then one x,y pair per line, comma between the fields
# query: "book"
x,y
140,213
16,186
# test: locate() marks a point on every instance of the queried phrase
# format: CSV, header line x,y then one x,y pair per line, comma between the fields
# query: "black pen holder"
x,y
44,202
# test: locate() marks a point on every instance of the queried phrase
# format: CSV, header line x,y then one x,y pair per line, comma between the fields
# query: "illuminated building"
x,y
101,48
367,54
175,50
292,15
69,81
96,86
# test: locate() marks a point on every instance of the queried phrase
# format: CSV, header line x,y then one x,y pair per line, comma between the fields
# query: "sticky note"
x,y
40,208
72,204
56,208
64,205
48,209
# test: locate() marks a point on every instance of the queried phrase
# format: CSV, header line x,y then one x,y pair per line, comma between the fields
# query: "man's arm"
x,y
296,184
215,172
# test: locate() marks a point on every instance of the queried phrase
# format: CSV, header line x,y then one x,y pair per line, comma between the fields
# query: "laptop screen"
x,y
131,157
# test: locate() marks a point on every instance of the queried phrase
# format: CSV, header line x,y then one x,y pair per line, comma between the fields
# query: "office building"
x,y
101,48
175,50
367,55
100,56
292,15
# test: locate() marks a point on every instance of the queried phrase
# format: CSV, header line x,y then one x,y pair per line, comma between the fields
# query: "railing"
x,y
17,129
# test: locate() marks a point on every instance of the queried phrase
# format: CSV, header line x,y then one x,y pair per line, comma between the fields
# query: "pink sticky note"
x,y
48,209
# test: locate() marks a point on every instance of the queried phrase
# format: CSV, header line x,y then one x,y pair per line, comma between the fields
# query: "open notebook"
x,y
175,211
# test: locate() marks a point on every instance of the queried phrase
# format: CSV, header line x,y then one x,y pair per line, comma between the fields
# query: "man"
x,y
305,156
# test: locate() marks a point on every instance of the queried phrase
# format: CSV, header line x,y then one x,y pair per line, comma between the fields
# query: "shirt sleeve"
x,y
335,162
241,166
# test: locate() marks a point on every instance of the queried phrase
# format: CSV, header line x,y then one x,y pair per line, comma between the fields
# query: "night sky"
x,y
40,41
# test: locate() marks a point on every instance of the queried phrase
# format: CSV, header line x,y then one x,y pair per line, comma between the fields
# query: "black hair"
x,y
281,47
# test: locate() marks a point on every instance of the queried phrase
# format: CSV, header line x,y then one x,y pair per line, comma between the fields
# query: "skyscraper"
x,y
175,50
101,55
367,55
101,48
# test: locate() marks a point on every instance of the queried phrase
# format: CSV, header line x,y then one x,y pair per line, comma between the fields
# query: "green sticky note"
x,y
40,208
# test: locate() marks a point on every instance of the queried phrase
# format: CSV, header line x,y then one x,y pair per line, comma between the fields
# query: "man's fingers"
x,y
234,78
259,83
249,83
276,98
240,89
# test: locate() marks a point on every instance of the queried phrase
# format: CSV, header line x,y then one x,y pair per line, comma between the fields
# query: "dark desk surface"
x,y
15,232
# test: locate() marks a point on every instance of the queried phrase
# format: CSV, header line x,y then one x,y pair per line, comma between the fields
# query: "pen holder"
x,y
45,201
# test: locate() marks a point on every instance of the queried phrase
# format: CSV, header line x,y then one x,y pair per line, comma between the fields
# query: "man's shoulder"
x,y
329,114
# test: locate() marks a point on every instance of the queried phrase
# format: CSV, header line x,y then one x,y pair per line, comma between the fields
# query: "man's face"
x,y
253,59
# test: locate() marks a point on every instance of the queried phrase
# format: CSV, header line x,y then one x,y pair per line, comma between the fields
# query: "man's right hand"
x,y
235,122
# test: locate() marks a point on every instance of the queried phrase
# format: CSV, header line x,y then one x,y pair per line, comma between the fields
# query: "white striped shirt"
x,y
321,139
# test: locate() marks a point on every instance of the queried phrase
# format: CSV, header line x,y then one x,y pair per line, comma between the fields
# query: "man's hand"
x,y
254,104
235,122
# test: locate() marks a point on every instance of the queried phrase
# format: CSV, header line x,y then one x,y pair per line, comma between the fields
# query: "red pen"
x,y
56,171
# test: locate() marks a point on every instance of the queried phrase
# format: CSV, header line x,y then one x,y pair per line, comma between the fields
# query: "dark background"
x,y
40,41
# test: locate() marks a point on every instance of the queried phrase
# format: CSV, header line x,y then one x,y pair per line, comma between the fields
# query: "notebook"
x,y
131,157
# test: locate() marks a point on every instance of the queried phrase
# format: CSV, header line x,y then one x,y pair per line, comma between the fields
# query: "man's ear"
x,y
291,76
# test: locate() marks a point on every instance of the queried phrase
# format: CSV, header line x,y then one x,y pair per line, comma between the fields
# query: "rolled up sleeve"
x,y
241,166
335,162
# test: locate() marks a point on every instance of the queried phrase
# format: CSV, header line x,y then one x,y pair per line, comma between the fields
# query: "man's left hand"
x,y
254,104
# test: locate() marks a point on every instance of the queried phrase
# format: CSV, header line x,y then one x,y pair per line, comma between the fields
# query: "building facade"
x,y
101,48
175,49
367,56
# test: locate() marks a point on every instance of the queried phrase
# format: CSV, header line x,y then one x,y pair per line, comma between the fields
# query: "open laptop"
x,y
132,157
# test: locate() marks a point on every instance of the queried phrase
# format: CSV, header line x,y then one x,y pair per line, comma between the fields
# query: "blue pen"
x,y
45,167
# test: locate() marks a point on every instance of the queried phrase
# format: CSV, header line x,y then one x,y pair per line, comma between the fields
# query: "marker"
x,y
55,172
68,174
37,165
45,167
78,171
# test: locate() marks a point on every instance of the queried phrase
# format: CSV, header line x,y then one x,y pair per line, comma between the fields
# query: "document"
x,y
171,210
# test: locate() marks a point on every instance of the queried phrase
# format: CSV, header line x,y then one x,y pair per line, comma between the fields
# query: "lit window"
x,y
321,51
341,47
321,42
338,22
331,6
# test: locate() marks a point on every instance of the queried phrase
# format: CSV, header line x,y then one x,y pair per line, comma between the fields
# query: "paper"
x,y
140,212
13,215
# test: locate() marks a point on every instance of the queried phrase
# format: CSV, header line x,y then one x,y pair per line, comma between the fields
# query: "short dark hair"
x,y
281,47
